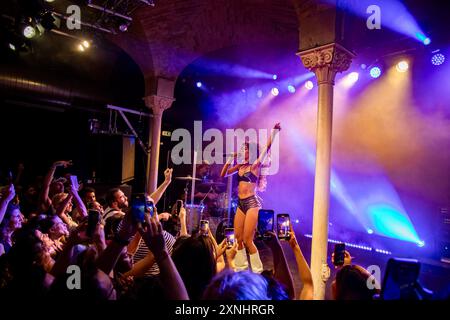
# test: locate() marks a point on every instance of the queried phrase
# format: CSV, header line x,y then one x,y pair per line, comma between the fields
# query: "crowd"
x,y
45,239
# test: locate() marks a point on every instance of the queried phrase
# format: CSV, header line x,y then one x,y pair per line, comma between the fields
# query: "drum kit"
x,y
210,200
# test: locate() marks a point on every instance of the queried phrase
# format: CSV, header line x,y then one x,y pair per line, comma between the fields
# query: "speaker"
x,y
112,158
324,23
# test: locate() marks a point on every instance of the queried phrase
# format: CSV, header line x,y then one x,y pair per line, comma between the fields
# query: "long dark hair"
x,y
195,260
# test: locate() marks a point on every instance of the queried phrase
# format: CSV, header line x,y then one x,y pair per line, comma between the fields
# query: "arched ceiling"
x,y
166,38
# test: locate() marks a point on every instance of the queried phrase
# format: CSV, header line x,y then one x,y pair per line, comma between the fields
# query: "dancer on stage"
x,y
250,181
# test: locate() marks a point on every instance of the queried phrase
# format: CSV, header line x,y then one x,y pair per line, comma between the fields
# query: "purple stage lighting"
x,y
309,85
423,38
402,66
199,84
437,59
375,72
275,91
274,77
291,88
393,14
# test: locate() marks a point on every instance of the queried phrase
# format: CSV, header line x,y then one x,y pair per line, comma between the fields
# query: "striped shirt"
x,y
142,251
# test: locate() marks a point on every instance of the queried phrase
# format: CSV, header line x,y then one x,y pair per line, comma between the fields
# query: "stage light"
x,y
199,84
81,48
291,88
29,32
402,66
437,59
309,85
275,91
354,245
363,66
423,38
297,221
243,91
421,244
124,27
375,72
274,77
12,47
259,93
369,231
86,44
353,77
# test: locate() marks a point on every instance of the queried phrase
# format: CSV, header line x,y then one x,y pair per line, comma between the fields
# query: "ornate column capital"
x,y
158,104
326,61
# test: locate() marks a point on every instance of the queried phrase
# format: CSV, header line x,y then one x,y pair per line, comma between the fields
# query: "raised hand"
x,y
293,240
168,175
62,163
164,216
347,259
277,126
9,193
221,248
231,252
152,234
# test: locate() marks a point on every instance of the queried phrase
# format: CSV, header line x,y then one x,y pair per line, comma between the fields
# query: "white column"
x,y
157,104
325,62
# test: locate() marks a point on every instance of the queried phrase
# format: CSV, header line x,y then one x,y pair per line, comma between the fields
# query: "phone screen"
x,y
204,226
339,254
229,235
138,208
265,222
283,226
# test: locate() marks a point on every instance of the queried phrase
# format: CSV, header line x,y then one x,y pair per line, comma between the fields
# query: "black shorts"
x,y
249,203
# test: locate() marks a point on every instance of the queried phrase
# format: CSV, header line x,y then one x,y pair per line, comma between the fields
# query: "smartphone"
x,y
179,205
93,220
283,226
229,235
265,222
339,254
204,227
400,279
138,208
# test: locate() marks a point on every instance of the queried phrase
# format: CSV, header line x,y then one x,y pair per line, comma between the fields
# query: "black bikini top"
x,y
247,177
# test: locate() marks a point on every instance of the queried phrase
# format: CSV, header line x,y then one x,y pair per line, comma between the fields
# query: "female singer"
x,y
250,180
